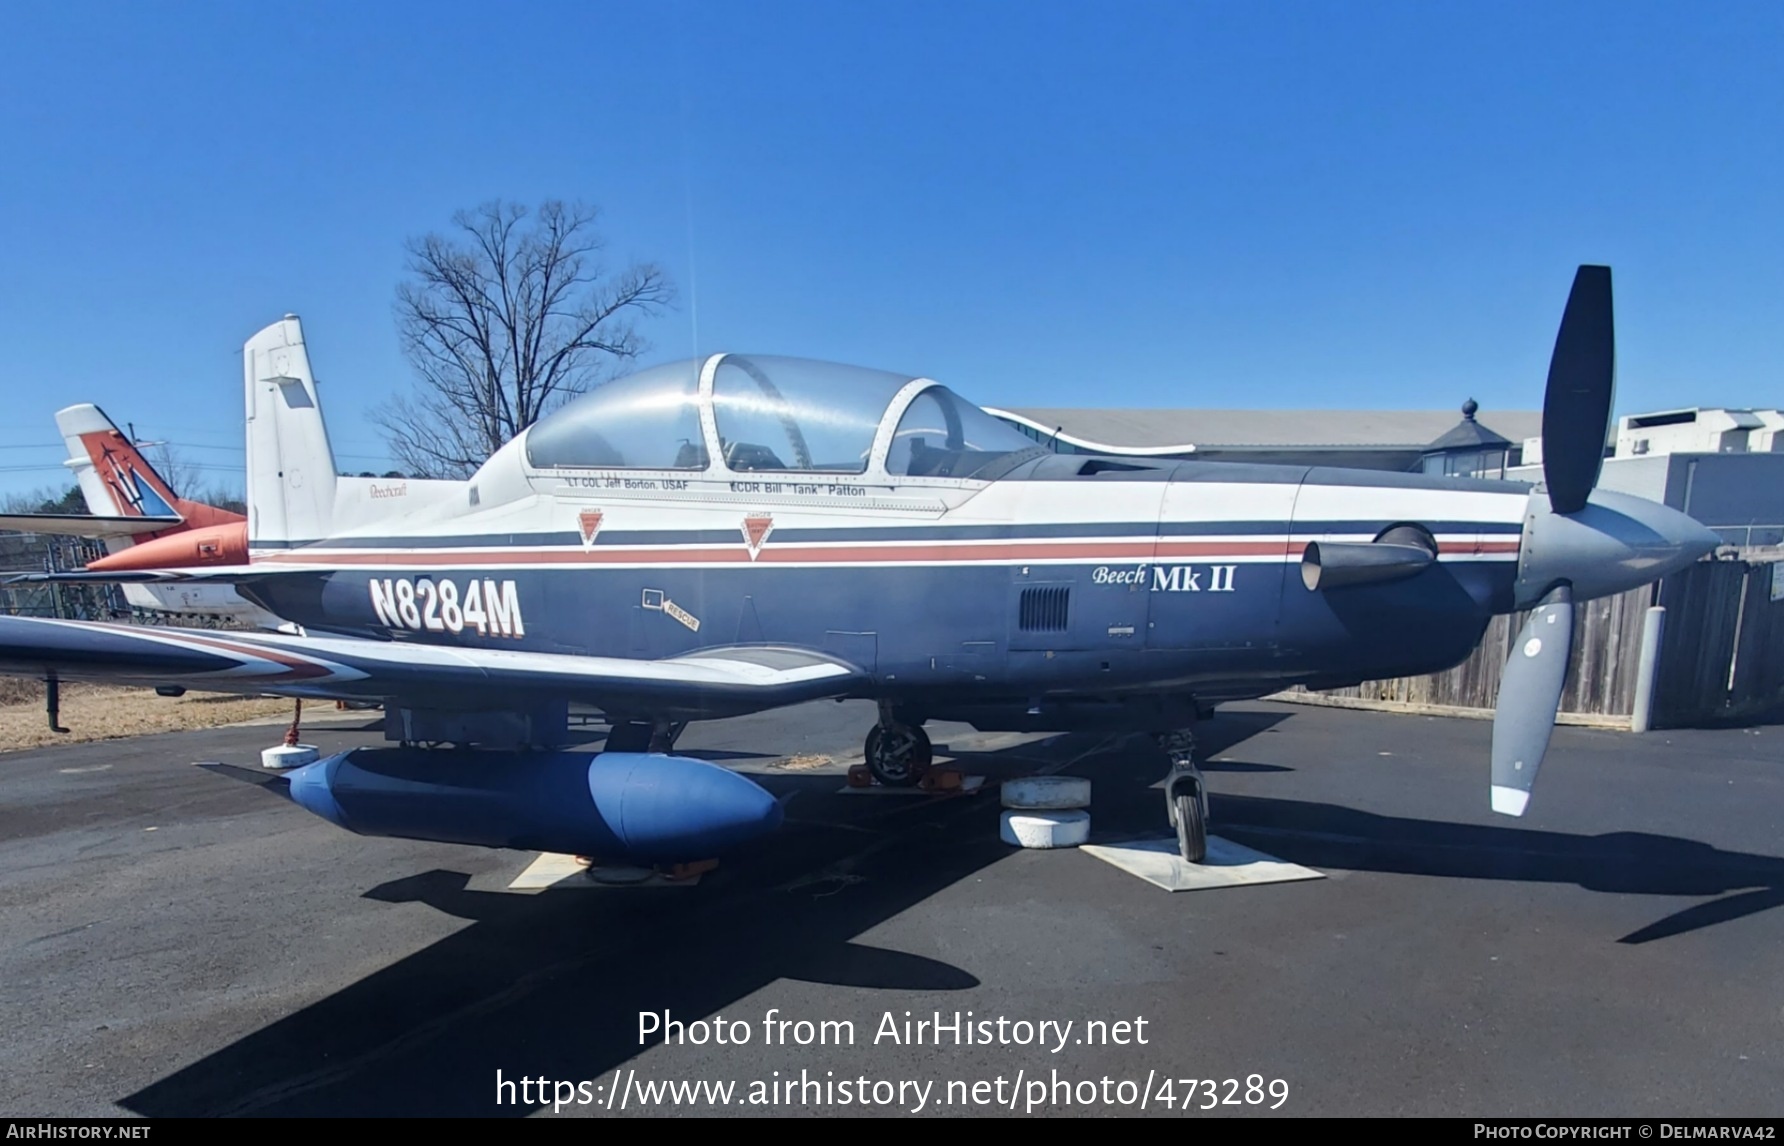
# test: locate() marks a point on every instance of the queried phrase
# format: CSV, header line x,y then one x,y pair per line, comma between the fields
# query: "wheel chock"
x,y
941,780
692,870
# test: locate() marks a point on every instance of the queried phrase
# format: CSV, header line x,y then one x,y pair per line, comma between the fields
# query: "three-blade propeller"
x,y
1576,412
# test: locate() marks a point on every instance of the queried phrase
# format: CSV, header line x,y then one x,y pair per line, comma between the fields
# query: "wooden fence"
x,y
1721,653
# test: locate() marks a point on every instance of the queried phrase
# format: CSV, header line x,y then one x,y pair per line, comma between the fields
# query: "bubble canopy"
x,y
760,414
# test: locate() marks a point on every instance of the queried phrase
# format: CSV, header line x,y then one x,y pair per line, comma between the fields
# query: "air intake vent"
x,y
1045,610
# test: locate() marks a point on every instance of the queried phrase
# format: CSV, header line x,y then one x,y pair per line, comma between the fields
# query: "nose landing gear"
x,y
1186,795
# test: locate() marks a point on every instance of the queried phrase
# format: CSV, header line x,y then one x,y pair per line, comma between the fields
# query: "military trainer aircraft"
x,y
736,533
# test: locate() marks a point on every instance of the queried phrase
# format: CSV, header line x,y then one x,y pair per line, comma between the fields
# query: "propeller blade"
x,y
1529,697
1576,408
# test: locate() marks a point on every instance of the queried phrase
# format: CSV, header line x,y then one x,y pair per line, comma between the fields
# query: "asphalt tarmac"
x,y
174,942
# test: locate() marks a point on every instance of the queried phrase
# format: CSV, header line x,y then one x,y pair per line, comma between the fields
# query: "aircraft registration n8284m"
x,y
737,533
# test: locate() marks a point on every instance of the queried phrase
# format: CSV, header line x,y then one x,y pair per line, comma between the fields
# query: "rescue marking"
x,y
657,600
681,614
439,606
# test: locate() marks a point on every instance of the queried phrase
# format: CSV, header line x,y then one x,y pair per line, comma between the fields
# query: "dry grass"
x,y
107,712
20,690
804,763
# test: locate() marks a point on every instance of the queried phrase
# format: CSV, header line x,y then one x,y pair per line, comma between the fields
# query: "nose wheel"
x,y
898,755
1191,823
1186,796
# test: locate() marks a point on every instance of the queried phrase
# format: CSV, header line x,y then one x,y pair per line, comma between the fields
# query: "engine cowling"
x,y
622,806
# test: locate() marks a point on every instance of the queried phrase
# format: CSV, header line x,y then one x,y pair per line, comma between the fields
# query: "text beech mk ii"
x,y
737,533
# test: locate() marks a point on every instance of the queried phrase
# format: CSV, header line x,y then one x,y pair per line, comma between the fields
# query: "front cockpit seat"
x,y
740,456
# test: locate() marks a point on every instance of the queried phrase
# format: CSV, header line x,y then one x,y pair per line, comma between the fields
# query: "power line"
x,y
204,446
206,467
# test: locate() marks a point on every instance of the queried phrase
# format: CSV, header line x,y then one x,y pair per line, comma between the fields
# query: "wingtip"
x,y
1509,801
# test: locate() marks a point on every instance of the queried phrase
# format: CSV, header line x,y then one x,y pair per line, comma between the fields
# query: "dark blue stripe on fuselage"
x,y
958,630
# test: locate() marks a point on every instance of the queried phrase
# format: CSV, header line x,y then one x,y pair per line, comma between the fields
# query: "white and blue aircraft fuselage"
x,y
736,533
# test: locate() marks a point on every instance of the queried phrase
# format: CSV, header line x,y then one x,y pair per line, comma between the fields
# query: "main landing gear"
x,y
1186,795
643,735
898,754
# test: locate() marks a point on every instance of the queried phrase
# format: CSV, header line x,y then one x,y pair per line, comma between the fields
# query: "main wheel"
x,y
1192,829
898,756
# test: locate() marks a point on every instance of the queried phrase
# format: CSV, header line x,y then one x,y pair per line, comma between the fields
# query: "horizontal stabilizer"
x,y
86,525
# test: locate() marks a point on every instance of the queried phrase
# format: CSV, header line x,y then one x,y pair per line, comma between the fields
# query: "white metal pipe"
x,y
1641,717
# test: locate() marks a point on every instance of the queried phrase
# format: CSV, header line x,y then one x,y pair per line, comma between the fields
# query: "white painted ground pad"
x,y
1228,864
556,871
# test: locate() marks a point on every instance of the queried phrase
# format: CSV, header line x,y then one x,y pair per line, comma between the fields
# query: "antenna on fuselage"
x,y
687,203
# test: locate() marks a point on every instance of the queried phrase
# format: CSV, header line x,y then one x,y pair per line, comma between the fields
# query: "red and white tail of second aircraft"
x,y
143,522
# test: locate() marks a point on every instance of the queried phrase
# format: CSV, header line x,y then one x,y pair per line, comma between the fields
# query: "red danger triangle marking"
x,y
591,525
755,531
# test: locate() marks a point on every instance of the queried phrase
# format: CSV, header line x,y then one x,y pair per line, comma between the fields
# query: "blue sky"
x,y
1116,204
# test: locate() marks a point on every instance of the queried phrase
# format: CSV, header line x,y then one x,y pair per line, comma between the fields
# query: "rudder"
x,y
291,467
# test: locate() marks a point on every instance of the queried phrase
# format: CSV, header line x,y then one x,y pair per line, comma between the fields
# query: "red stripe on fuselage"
x,y
844,554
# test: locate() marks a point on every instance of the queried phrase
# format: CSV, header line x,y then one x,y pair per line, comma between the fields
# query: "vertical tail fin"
x,y
116,481
114,477
291,468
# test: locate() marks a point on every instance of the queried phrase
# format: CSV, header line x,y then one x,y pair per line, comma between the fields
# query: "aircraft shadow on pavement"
x,y
1331,836
1625,863
551,984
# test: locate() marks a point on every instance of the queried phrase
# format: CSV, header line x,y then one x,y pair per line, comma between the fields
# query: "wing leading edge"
x,y
713,682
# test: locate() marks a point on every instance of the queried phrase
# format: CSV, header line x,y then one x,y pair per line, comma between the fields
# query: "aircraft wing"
x,y
86,525
709,683
216,575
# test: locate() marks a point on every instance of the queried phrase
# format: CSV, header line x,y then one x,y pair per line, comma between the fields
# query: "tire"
x,y
898,758
1192,829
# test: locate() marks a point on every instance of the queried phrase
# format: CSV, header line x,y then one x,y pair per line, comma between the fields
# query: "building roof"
x,y
1469,434
1188,431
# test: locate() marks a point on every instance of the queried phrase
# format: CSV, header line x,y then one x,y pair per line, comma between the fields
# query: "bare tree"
x,y
44,500
180,474
221,494
504,320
